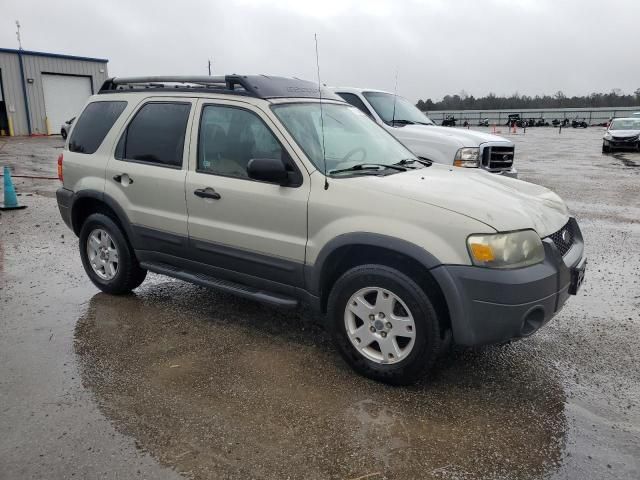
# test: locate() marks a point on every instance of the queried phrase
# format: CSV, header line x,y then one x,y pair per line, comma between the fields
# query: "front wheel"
x,y
384,324
107,257
605,148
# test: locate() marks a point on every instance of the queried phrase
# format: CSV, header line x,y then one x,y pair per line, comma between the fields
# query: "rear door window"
x,y
93,125
156,135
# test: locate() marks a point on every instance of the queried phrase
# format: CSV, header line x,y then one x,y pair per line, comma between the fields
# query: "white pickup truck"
x,y
450,146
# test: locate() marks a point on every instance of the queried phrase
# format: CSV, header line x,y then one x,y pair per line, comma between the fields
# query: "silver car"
x,y
622,133
66,127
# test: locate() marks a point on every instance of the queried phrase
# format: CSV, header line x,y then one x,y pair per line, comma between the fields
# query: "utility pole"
x,y
24,85
18,35
209,67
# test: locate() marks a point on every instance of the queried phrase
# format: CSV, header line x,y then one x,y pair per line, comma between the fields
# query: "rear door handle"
x,y
127,179
207,193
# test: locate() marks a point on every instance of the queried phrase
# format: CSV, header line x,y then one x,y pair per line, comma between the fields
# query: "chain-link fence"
x,y
593,116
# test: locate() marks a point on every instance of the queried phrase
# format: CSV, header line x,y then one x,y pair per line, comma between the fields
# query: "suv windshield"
x,y
625,124
405,111
350,137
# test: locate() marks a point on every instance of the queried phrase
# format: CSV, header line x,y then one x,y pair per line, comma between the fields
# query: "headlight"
x,y
467,157
506,250
607,136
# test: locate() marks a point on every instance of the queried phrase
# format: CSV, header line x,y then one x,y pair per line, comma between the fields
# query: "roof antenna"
x,y
395,95
324,156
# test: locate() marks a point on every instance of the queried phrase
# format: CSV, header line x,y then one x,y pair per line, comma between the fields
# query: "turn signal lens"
x,y
60,167
467,157
482,253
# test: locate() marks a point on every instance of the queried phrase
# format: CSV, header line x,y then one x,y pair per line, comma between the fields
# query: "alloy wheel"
x,y
102,253
380,325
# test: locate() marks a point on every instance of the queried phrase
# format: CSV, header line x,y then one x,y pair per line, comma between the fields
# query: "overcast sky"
x,y
437,47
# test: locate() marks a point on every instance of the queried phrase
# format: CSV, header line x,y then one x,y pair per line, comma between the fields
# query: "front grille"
x,y
564,244
497,158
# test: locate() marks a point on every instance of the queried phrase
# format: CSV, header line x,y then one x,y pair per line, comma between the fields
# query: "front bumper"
x,y
513,173
635,143
494,306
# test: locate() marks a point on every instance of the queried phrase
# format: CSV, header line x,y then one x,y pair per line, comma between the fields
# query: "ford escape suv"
x,y
257,186
450,146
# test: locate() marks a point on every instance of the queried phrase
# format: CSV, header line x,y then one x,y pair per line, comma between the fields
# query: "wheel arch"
x,y
87,202
350,250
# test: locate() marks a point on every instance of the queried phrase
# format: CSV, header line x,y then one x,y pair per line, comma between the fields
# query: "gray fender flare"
x,y
313,273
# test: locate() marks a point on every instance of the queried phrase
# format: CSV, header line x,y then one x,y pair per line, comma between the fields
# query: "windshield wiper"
x,y
422,161
362,167
401,121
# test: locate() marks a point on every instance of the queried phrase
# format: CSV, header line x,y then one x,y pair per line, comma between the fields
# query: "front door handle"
x,y
123,178
207,193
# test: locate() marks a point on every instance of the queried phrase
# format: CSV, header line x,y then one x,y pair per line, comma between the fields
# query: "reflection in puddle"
x,y
226,388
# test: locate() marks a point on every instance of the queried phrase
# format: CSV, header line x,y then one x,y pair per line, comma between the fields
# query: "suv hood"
x,y
466,138
502,203
624,133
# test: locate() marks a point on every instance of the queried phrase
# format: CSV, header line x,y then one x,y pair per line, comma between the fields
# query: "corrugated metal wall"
x,y
12,89
34,67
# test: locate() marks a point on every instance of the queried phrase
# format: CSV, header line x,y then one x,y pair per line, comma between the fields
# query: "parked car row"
x,y
514,120
280,191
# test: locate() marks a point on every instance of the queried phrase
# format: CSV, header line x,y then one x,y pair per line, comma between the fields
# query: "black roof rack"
x,y
260,86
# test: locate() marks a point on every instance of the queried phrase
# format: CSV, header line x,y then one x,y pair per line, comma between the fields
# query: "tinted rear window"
x,y
156,134
93,125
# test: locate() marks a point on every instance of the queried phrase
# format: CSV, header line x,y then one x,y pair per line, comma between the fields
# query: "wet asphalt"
x,y
180,381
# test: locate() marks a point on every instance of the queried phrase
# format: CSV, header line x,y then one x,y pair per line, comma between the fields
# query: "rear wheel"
x,y
107,257
384,324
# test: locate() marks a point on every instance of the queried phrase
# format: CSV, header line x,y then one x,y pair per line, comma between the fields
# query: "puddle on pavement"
x,y
626,161
218,386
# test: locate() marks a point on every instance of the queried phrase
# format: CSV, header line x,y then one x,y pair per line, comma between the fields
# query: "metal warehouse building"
x,y
39,91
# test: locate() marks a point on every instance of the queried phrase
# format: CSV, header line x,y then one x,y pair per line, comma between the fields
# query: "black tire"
x,y
64,134
427,343
129,275
605,148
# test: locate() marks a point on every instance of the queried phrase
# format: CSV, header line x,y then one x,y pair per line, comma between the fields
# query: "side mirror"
x,y
268,170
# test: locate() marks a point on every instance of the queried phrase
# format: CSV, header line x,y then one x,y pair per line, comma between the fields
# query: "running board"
x,y
223,285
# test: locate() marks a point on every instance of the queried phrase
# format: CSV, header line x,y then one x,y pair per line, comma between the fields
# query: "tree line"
x,y
463,101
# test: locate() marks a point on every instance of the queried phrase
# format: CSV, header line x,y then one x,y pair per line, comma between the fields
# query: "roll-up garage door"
x,y
64,96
